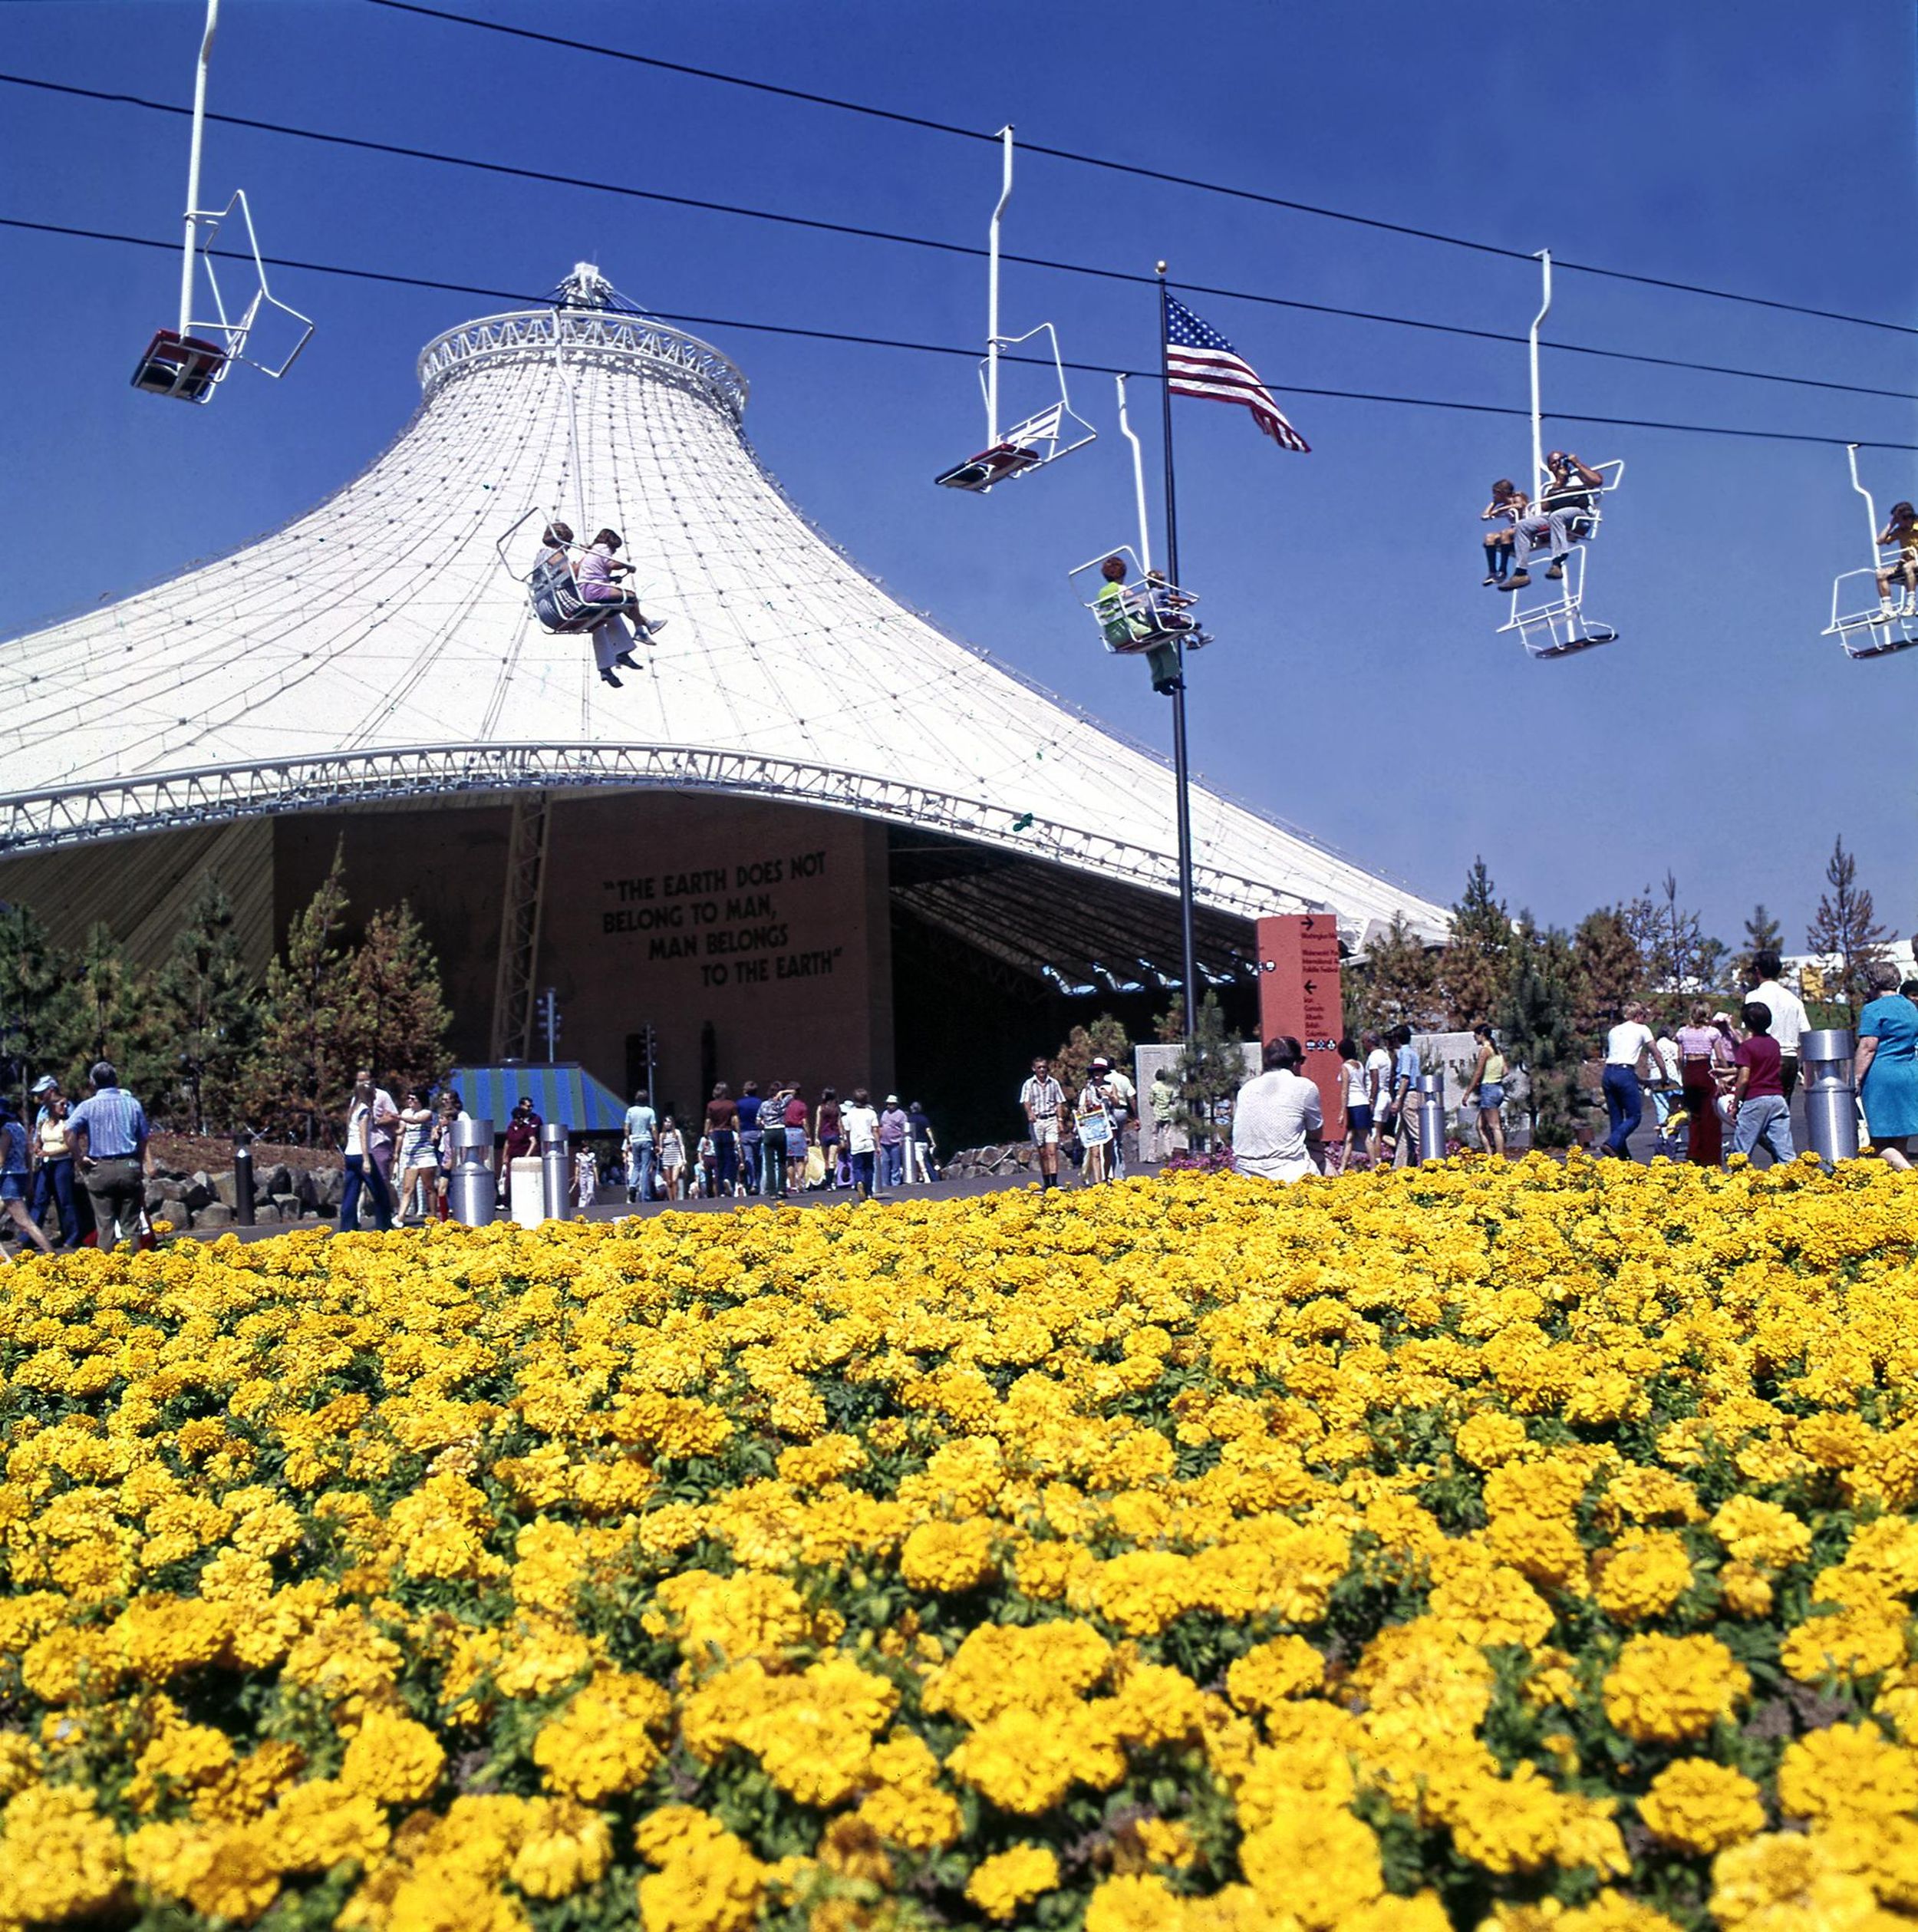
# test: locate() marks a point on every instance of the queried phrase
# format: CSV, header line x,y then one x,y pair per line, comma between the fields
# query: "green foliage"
x,y
41,1016
205,1007
1397,981
1211,1071
1539,1024
395,1018
1762,934
1071,1062
1608,968
1846,929
1475,970
305,1067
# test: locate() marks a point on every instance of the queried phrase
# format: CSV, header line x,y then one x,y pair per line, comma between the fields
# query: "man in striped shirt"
x,y
107,1133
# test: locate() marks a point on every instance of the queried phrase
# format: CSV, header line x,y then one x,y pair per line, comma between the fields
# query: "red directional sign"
x,y
1299,994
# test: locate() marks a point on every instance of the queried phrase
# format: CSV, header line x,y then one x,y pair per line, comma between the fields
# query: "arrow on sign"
x,y
1312,986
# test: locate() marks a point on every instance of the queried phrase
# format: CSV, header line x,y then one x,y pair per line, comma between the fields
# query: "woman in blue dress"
x,y
1887,1066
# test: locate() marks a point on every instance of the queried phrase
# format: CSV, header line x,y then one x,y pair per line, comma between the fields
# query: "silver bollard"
x,y
556,1157
1830,1093
1431,1117
470,1195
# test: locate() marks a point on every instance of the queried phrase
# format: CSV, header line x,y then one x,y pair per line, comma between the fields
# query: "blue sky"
x,y
1357,690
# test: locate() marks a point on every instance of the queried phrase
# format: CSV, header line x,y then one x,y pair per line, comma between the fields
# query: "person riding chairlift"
x,y
552,581
1508,504
1130,621
1570,491
598,570
1901,528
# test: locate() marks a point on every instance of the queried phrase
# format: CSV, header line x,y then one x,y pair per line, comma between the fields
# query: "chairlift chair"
x,y
553,596
1142,615
190,362
1555,625
1050,432
1867,625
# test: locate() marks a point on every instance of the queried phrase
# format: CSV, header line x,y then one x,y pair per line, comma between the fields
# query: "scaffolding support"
x,y
514,999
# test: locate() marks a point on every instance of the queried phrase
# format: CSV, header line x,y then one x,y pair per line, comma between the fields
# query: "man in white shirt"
x,y
641,1146
1789,1018
1626,1047
1277,1122
1378,1088
860,1125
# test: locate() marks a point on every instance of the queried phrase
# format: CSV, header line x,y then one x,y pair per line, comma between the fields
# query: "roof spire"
x,y
586,287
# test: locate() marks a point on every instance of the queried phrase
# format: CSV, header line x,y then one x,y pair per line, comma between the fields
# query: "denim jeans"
x,y
862,1173
53,1180
892,1163
751,1160
1625,1105
726,1160
361,1173
640,1163
1764,1120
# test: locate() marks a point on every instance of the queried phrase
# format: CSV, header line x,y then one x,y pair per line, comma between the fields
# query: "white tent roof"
x,y
376,647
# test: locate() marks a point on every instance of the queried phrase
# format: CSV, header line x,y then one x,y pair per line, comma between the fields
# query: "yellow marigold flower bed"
x,y
1511,1547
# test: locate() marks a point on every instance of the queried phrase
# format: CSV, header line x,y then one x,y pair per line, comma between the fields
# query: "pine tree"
x,y
41,1026
113,1013
1680,957
1212,1070
1609,967
1540,1026
304,1067
395,1010
1846,929
1169,1028
1475,970
1397,981
1762,934
206,1008
1073,1062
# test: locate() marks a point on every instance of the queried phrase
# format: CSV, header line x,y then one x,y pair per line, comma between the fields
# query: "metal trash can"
x,y
1432,1118
556,1157
1830,1093
470,1198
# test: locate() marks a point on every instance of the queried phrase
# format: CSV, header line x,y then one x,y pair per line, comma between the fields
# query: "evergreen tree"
x,y
395,1010
1762,934
113,1016
304,1069
206,1009
1846,929
1397,981
1211,1071
1072,1062
1540,1026
1169,1028
41,1027
1609,967
1475,970
1681,959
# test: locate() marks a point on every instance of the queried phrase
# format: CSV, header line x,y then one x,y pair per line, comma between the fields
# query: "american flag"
x,y
1199,361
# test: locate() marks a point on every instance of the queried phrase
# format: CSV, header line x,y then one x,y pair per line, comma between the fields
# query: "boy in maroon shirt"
x,y
1759,1113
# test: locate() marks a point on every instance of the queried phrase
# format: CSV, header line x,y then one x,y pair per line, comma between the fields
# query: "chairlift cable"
x,y
971,353
1133,168
856,230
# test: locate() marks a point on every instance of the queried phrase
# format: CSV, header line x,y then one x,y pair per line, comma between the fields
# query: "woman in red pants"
x,y
1701,1051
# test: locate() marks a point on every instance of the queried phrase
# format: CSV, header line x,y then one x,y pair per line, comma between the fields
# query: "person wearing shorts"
x,y
1043,1100
796,1112
1356,1150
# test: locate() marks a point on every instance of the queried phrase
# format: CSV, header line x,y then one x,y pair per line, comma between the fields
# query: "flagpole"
x,y
1181,775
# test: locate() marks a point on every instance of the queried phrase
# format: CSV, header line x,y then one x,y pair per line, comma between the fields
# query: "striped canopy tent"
x,y
561,1090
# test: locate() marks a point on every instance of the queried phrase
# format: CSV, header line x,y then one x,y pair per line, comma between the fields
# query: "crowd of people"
x,y
1094,1124
776,1144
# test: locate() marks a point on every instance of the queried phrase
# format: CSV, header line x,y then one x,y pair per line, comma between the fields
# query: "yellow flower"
x,y
602,1743
1319,1863
1701,1807
1668,1689
1287,1666
62,1859
1786,1882
948,1557
565,1847
1645,1576
714,1885
1013,1878
393,1759
1847,1770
